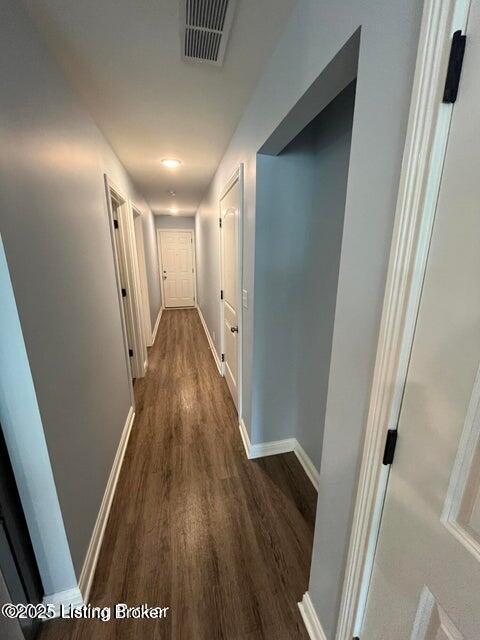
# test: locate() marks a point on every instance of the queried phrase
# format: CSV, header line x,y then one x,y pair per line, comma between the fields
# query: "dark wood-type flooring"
x,y
225,542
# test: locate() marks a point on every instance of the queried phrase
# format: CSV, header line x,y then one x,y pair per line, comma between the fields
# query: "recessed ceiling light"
x,y
173,210
171,163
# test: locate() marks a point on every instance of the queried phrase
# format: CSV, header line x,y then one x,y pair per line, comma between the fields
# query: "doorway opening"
x,y
128,280
301,195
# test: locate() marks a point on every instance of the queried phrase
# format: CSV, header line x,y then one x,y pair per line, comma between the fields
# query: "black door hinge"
x,y
130,353
223,357
115,224
390,445
454,69
124,293
221,294
220,222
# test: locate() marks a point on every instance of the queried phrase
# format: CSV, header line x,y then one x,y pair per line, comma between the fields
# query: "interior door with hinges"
x,y
229,216
177,268
426,576
120,243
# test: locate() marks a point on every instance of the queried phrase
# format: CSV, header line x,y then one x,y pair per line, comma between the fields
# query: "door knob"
x,y
234,329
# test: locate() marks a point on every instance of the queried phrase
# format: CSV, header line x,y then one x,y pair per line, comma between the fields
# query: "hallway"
x,y
223,541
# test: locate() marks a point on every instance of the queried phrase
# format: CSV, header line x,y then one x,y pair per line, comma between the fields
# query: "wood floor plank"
x,y
225,542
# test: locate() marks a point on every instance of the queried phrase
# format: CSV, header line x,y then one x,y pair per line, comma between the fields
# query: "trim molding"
x,y
310,619
272,448
210,342
264,448
245,438
158,234
279,446
307,464
91,558
423,157
155,328
67,598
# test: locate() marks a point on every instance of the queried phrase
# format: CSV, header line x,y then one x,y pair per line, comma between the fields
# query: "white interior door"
x,y
426,577
178,268
229,211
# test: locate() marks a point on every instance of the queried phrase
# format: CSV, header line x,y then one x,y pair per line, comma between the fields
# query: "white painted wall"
x,y
314,33
54,225
174,222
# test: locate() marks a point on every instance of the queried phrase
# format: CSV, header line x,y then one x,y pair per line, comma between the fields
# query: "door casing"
x,y
142,269
136,364
160,263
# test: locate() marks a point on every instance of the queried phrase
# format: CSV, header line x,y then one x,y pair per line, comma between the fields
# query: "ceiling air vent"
x,y
205,27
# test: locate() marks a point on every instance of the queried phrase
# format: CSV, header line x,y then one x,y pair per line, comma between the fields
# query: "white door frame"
x,y
425,148
237,176
142,267
160,264
112,192
136,364
141,359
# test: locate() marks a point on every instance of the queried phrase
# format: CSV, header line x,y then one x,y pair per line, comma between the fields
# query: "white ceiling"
x,y
124,58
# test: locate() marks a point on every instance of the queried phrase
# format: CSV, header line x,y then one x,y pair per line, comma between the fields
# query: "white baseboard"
x,y
91,558
310,619
307,464
155,328
271,448
67,598
279,446
245,438
210,342
264,448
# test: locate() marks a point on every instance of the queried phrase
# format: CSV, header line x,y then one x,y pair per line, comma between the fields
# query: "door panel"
x,y
229,208
431,621
426,576
176,249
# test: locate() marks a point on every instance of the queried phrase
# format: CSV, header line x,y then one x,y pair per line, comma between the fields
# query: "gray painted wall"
x,y
313,35
24,435
151,263
300,206
174,222
54,225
